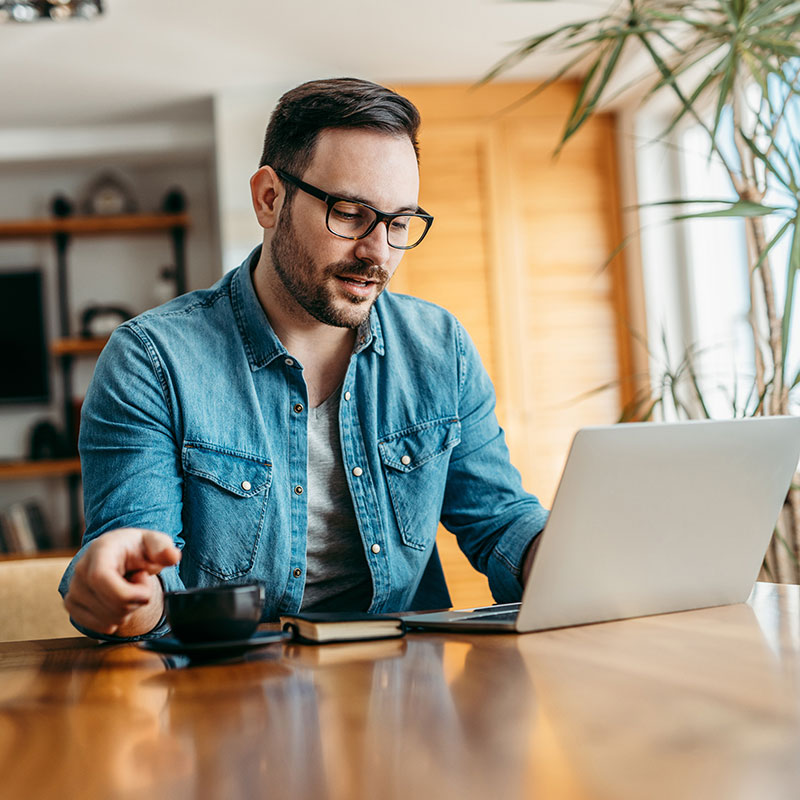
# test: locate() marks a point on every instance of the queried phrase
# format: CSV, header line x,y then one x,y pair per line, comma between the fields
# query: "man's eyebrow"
x,y
359,199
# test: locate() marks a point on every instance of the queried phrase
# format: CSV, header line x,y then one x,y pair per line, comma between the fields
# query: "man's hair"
x,y
304,112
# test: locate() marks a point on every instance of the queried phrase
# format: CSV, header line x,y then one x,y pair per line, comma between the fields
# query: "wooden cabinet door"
x,y
516,252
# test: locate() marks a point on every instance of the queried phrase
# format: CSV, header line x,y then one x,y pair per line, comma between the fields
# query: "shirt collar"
x,y
260,341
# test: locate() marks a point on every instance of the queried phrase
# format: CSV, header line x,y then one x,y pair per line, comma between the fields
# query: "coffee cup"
x,y
215,613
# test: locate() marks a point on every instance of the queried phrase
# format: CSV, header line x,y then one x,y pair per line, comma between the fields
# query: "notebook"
x,y
650,518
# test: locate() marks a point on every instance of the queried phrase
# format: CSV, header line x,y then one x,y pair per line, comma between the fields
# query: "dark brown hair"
x,y
302,113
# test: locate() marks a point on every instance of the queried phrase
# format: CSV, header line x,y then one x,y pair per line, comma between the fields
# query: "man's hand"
x,y
114,589
530,554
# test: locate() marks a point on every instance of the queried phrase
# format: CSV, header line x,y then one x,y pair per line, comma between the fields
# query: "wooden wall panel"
x,y
515,253
452,266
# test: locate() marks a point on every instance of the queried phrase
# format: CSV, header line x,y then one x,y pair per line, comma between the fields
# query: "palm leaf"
x,y
741,208
669,78
772,242
580,115
530,46
760,12
768,164
725,89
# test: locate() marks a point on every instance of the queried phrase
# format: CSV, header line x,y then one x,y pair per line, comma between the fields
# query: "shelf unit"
x,y
68,347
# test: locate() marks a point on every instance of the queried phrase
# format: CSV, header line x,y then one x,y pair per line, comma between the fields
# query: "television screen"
x,y
23,343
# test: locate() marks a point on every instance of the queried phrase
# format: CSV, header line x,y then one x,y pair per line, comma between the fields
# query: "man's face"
x,y
337,280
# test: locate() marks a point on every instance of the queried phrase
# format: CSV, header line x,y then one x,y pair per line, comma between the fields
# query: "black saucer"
x,y
214,650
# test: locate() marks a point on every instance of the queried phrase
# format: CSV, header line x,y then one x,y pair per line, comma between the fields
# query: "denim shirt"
x,y
195,425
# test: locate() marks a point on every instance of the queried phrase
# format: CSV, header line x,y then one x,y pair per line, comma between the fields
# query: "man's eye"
x,y
400,223
348,213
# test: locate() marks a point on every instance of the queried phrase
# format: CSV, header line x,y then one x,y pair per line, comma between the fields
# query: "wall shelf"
x,y
87,226
78,346
46,468
67,347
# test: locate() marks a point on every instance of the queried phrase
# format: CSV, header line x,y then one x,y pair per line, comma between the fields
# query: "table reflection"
x,y
701,704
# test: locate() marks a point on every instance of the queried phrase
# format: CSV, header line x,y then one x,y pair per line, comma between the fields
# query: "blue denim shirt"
x,y
195,425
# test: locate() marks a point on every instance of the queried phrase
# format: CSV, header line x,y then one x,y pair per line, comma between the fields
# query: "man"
x,y
295,424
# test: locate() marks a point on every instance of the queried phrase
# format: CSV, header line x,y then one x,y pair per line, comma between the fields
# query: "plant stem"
x,y
793,499
776,403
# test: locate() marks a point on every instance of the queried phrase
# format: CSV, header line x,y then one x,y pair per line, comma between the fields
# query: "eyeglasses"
x,y
351,219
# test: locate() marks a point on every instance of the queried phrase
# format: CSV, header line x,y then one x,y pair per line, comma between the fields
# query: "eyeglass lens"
x,y
352,220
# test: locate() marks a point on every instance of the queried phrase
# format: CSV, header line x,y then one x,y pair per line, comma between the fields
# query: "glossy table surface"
x,y
702,704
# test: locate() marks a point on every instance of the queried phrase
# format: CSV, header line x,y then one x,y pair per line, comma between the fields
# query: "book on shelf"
x,y
316,627
23,529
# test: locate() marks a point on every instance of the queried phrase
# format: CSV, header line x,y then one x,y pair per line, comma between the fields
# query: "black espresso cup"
x,y
216,613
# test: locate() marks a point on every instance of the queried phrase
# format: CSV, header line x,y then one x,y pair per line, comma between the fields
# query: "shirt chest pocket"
x,y
225,497
415,464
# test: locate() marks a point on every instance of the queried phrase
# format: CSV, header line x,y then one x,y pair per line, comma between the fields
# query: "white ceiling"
x,y
147,57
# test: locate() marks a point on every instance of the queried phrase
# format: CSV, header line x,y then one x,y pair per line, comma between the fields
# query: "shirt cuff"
x,y
505,563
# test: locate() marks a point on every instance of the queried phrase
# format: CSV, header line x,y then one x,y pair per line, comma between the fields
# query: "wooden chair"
x,y
30,605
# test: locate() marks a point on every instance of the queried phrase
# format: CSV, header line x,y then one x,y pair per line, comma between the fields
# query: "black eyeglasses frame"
x,y
380,216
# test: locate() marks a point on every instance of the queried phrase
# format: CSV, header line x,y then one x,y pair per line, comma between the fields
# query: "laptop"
x,y
650,518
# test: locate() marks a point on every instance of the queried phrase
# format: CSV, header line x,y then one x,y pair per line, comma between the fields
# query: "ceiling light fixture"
x,y
58,10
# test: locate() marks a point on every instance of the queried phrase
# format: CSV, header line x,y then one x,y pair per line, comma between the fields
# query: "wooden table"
x,y
703,704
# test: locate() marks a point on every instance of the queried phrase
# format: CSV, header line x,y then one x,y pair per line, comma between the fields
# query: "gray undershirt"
x,y
337,575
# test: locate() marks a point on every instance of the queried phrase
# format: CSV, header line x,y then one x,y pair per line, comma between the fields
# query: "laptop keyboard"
x,y
505,613
498,616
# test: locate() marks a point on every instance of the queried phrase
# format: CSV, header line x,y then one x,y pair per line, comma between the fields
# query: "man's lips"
x,y
357,285
356,279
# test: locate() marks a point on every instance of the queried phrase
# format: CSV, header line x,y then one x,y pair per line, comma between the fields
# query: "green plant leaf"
x,y
775,45
531,45
725,88
764,20
710,78
670,81
741,208
578,115
696,387
772,242
767,162
528,96
789,550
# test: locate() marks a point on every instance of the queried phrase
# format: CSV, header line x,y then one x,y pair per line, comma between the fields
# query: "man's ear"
x,y
267,192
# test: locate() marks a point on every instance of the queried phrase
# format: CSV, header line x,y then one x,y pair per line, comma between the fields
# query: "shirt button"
x,y
297,572
376,548
246,486
347,395
298,490
289,362
406,460
358,472
298,407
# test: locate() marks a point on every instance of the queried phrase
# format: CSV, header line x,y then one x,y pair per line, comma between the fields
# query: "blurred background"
x,y
113,111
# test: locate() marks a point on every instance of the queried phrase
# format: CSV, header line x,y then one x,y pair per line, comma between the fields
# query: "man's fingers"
x,y
89,615
159,551
114,580
102,576
105,604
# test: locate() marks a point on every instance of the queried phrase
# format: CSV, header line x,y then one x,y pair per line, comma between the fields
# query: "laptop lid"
x,y
658,517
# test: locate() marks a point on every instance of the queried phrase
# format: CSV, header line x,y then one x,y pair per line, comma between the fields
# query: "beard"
x,y
312,288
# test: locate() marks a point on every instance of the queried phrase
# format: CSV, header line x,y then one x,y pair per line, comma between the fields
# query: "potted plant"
x,y
732,68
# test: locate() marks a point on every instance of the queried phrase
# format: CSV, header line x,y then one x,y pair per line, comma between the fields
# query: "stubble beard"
x,y
294,266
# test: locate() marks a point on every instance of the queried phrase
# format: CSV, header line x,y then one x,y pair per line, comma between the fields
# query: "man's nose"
x,y
374,247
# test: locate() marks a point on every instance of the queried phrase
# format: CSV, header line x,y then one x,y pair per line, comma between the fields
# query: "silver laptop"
x,y
650,518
